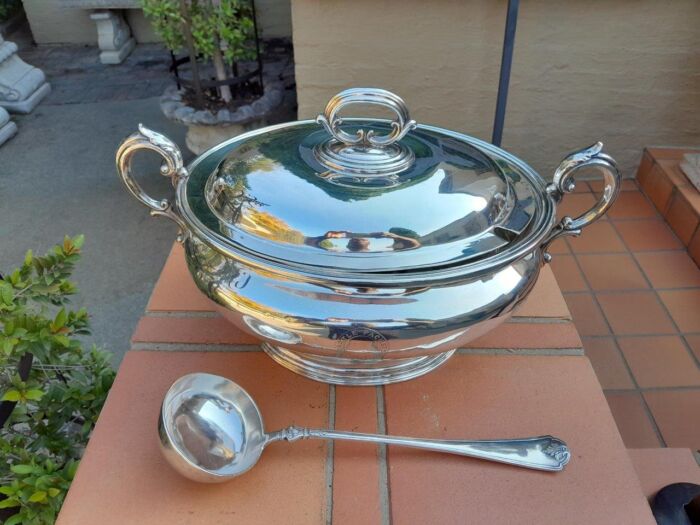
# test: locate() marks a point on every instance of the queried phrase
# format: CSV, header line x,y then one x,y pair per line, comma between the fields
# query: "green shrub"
x,y
222,31
53,387
9,8
228,23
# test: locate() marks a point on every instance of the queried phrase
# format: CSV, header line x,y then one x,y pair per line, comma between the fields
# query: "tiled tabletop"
x,y
527,379
634,294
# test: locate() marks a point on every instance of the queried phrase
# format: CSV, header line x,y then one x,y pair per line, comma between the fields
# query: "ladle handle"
x,y
539,453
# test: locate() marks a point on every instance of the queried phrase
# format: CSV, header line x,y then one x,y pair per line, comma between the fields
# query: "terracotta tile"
x,y
559,246
175,289
599,237
659,467
660,361
662,153
632,420
673,171
676,415
645,166
658,187
582,186
529,336
627,185
545,299
694,247
607,363
647,234
670,269
631,205
694,344
635,313
684,306
123,478
692,196
355,465
612,272
646,183
203,330
587,316
682,218
500,396
568,275
575,204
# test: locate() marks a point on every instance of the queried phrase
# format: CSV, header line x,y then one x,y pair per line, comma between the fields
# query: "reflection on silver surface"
x,y
454,204
356,278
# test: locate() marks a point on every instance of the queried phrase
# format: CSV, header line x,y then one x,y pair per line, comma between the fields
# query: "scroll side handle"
x,y
563,183
331,120
172,166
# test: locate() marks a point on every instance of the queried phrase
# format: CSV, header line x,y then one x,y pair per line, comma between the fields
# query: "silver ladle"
x,y
211,430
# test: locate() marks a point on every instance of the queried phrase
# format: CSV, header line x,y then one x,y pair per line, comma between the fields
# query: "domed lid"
x,y
364,195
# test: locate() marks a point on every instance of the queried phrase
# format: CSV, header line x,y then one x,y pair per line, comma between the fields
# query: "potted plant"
x,y
51,389
224,91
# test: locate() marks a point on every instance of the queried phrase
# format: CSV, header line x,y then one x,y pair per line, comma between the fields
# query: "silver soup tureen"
x,y
364,251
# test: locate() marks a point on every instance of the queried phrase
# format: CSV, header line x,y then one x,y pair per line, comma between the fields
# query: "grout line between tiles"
x,y
538,320
194,347
181,313
330,456
555,352
679,333
384,490
612,291
621,252
207,347
594,297
646,334
652,389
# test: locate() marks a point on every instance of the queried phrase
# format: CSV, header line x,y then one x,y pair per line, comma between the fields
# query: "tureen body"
x,y
364,251
358,333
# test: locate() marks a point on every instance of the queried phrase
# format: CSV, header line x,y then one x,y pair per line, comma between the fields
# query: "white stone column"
x,y
7,127
113,36
21,86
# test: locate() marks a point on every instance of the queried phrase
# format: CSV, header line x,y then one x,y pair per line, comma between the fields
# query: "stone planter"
x,y
206,129
21,86
7,127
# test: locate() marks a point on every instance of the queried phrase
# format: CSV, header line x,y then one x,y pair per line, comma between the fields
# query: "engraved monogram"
x,y
377,342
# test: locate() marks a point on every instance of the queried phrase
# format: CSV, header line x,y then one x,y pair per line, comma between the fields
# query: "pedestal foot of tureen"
x,y
344,371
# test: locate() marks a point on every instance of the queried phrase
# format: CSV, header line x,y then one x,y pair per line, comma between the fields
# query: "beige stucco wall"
x,y
54,23
626,72
274,18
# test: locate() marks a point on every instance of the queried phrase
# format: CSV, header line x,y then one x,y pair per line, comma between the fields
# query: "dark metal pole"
x,y
257,46
504,80
189,41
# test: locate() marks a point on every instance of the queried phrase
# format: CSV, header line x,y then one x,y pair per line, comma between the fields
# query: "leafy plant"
x,y
222,31
52,389
9,8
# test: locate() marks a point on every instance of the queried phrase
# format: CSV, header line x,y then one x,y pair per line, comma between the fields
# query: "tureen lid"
x,y
366,195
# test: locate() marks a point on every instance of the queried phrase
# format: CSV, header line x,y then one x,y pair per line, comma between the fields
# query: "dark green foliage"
x,y
58,403
9,8
229,22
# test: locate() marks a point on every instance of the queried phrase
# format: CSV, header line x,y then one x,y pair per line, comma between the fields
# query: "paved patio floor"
x,y
57,177
634,295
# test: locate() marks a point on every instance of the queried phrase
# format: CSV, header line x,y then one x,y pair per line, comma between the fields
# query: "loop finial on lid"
x,y
365,153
